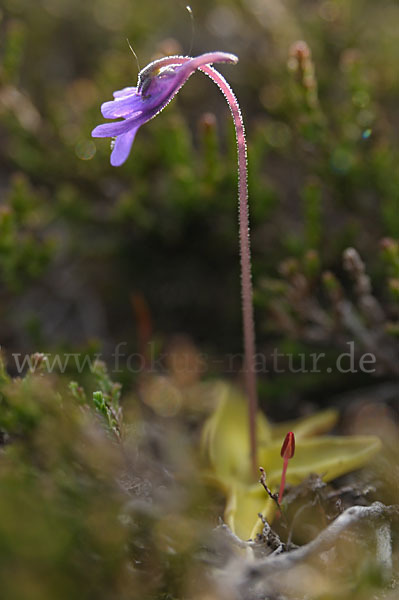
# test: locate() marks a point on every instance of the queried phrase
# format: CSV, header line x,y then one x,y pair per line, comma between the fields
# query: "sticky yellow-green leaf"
x,y
243,504
226,445
307,426
327,456
225,436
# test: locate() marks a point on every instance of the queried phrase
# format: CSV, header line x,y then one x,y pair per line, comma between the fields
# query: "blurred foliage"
x,y
96,261
320,117
87,508
103,497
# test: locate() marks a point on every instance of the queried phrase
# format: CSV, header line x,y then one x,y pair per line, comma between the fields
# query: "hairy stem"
x,y
245,250
245,257
282,484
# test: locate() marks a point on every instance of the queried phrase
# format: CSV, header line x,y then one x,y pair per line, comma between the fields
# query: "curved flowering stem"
x,y
245,257
157,84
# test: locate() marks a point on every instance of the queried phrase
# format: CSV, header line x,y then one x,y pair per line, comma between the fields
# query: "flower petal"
x,y
122,147
127,91
160,81
122,107
117,128
209,58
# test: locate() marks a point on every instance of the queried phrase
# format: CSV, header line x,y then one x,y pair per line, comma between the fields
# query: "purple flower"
x,y
157,84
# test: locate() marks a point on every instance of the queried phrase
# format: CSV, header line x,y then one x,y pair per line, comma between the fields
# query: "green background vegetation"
x,y
91,256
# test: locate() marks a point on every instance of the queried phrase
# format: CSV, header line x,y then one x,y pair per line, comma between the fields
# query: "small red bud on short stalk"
x,y
287,452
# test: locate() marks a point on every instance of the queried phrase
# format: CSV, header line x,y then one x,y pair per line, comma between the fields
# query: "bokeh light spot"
x,y
85,149
278,134
361,98
329,11
341,160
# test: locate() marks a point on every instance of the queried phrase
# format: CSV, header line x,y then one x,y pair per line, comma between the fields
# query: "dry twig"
x,y
260,569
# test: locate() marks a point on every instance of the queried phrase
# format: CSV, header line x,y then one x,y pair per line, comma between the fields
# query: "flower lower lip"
x,y
157,84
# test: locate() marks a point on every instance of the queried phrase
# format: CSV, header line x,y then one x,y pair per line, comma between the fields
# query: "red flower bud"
x,y
288,447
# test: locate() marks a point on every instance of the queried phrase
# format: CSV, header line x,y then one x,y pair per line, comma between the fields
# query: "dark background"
x,y
90,253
